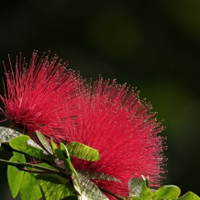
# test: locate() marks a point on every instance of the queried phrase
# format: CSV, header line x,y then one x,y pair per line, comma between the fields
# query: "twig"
x,y
22,165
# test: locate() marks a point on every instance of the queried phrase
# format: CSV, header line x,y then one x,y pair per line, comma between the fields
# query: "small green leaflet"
x,y
15,176
167,192
82,151
30,189
6,134
25,145
146,193
138,188
89,190
55,187
68,164
135,186
63,155
189,196
44,142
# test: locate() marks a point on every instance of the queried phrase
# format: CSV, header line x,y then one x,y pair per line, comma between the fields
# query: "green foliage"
x,y
140,191
69,165
89,189
25,145
44,142
189,196
167,192
138,188
30,188
15,176
54,177
55,187
82,151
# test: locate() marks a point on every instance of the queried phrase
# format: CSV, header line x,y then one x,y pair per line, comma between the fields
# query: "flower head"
x,y
42,95
114,121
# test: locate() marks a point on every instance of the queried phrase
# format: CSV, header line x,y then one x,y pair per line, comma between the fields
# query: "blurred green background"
x,y
152,45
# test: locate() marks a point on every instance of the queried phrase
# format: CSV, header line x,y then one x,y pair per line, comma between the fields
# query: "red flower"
x,y
39,96
114,121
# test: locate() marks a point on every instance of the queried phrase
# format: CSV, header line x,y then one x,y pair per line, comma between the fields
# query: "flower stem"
x,y
22,165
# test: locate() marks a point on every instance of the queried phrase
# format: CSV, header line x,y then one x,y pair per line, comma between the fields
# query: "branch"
x,y
22,165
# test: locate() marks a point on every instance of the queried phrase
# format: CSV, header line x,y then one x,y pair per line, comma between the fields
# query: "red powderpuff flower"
x,y
114,121
41,96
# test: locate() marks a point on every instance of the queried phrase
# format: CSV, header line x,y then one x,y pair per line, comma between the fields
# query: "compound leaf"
x,y
82,151
25,145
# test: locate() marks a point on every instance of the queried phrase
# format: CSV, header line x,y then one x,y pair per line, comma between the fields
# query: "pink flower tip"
x,y
123,129
38,96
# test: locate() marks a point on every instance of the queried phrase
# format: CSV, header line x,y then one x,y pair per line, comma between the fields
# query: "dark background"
x,y
152,45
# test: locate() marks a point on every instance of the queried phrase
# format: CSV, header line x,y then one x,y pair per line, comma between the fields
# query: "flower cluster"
x,y
109,117
42,95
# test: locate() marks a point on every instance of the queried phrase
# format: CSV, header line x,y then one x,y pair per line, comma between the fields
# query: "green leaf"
x,y
189,196
25,145
68,164
82,151
6,134
138,188
135,186
97,175
53,145
30,188
135,198
146,193
57,151
147,181
15,176
44,142
89,190
64,150
167,192
70,198
55,187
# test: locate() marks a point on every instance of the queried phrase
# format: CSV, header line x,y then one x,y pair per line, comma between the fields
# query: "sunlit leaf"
x,y
55,187
14,175
82,151
53,145
24,144
97,175
89,190
44,142
146,193
189,196
30,188
57,151
147,181
68,164
6,134
167,192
